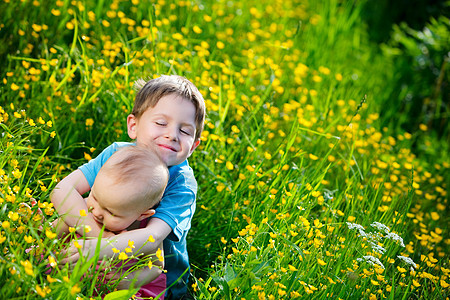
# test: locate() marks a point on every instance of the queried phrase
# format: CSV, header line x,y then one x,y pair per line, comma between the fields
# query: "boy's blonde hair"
x,y
140,167
150,92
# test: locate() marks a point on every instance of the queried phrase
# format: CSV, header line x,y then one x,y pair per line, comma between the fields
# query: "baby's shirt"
x,y
176,208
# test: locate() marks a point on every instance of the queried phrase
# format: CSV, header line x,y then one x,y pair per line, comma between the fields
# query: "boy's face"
x,y
114,205
169,128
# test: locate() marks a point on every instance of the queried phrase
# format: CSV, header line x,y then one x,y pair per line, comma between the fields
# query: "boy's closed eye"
x,y
186,131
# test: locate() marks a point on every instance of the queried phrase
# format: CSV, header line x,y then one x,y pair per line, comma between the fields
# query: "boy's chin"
x,y
169,161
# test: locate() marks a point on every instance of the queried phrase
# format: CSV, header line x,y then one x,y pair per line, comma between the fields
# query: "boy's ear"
x,y
195,145
146,214
131,126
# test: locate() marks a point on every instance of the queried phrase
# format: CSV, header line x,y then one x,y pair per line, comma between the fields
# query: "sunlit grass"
x,y
305,187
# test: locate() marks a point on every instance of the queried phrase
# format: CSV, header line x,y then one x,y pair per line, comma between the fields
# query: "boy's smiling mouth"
x,y
167,147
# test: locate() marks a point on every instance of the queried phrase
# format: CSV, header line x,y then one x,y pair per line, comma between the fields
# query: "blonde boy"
x,y
167,117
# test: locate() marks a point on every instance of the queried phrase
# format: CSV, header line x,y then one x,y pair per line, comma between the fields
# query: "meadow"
x,y
323,168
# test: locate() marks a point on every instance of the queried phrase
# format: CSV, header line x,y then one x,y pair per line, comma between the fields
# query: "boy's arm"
x,y
156,228
68,201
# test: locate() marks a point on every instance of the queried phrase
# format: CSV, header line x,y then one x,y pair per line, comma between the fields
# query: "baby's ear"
x,y
146,214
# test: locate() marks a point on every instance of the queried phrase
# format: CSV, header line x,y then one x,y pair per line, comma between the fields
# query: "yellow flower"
x,y
151,239
435,216
28,267
16,173
220,45
51,279
130,243
89,122
313,157
77,245
416,283
150,264
13,216
82,213
292,268
317,223
197,29
40,291
51,235
159,255
177,36
75,289
87,228
321,262
52,134
14,87
115,250
123,256
52,261
56,12
423,127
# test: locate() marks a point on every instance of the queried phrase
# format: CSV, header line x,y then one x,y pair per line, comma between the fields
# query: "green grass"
x,y
300,140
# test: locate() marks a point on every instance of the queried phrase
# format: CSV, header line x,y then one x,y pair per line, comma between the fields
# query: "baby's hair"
x,y
141,167
150,92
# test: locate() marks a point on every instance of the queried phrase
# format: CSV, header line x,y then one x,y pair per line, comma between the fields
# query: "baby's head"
x,y
127,188
168,117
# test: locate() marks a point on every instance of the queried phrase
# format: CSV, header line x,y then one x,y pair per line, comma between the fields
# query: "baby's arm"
x,y
68,201
61,227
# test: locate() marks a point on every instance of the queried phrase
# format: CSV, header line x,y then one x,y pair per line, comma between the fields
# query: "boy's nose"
x,y
171,134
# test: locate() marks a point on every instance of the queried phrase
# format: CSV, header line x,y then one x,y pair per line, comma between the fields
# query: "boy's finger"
x,y
71,258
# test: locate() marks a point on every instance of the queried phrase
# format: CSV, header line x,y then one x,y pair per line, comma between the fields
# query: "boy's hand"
x,y
72,254
87,248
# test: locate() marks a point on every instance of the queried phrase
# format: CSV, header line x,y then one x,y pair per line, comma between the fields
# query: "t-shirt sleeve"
x,y
91,168
177,206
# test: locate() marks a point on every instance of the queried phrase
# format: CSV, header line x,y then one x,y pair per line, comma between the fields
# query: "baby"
x,y
126,190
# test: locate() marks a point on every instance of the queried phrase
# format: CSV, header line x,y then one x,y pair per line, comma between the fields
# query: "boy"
x,y
127,188
168,117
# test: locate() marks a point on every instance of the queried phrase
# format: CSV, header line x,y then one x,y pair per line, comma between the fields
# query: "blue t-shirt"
x,y
176,208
